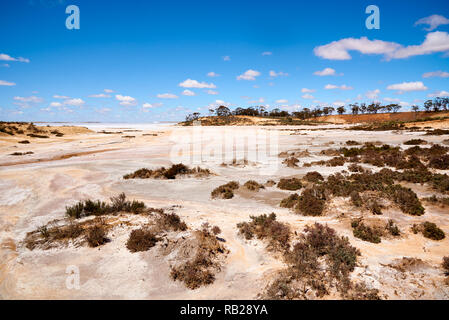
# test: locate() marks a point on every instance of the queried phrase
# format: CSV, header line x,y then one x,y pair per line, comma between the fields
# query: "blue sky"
x,y
131,61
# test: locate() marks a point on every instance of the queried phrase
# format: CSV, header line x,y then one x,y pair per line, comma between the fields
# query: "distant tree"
x,y
395,107
355,108
223,111
428,105
341,110
445,103
193,116
363,108
211,112
415,108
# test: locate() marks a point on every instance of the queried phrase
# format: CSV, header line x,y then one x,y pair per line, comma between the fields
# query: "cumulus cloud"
x,y
56,104
438,94
440,74
212,74
433,21
100,95
32,99
212,92
333,86
407,87
60,97
305,90
267,53
74,102
325,72
249,75
339,50
151,105
282,101
435,42
189,83
126,101
108,90
339,103
6,83
5,57
187,92
278,74
308,96
167,96
372,94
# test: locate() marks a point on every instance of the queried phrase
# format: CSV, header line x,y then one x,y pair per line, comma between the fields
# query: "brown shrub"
x,y
96,236
291,184
225,191
169,222
311,202
313,176
445,265
194,273
290,202
170,173
431,231
253,185
364,232
291,162
415,142
141,240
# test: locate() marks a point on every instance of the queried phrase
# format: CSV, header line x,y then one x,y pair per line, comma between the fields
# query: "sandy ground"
x,y
35,188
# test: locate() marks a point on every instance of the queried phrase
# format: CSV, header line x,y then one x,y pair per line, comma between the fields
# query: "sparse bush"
x,y
225,191
253,185
96,236
291,162
431,231
406,199
415,142
290,202
291,184
392,228
170,221
356,199
313,176
141,240
352,143
170,173
445,265
311,202
194,273
24,142
364,232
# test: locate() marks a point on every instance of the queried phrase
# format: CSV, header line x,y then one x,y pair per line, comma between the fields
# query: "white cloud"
x,y
6,57
108,90
60,97
212,92
167,96
74,102
226,58
126,101
249,75
218,103
372,94
187,92
435,42
333,86
267,53
151,105
282,101
338,50
407,87
32,99
305,90
213,74
103,110
325,72
260,100
100,95
434,21
308,96
278,74
438,94
339,103
6,83
189,83
56,104
441,74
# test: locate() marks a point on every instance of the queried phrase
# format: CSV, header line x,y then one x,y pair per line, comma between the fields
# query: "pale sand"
x,y
91,165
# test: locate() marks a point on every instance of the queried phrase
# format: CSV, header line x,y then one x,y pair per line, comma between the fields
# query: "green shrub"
x,y
290,202
253,185
225,191
313,176
311,202
364,232
431,231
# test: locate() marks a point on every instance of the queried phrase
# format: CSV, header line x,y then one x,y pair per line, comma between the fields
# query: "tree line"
x,y
435,105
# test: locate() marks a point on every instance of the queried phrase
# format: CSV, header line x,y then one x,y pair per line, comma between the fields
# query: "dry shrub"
x,y
406,199
253,185
24,142
311,202
392,228
313,176
169,222
141,240
270,183
291,162
170,173
266,227
291,184
225,191
439,162
445,265
441,201
364,232
430,230
96,235
356,199
194,273
415,142
290,202
352,143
